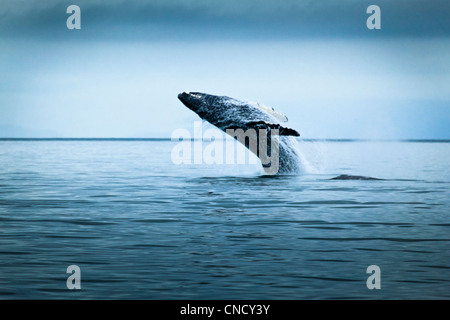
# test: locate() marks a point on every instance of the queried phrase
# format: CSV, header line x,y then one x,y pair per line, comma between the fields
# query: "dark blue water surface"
x,y
140,227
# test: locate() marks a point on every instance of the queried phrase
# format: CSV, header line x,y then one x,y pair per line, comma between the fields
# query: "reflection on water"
x,y
140,227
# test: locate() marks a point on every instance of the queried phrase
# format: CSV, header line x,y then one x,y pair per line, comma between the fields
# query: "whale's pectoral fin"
x,y
283,131
281,117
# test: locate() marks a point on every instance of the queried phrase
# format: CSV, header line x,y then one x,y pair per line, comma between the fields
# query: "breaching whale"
x,y
233,116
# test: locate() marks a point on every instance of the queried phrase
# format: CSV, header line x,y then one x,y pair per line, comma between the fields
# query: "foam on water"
x,y
292,159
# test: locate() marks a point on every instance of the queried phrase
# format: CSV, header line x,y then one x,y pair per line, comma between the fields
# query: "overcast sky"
x,y
315,61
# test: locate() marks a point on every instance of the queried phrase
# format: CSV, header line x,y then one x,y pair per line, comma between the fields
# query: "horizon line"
x,y
192,139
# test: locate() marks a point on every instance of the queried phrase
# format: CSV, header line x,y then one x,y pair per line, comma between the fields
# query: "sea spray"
x,y
292,159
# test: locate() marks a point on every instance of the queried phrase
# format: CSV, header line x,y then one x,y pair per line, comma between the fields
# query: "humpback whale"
x,y
237,118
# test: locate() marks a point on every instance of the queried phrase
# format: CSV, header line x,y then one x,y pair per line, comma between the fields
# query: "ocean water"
x,y
140,227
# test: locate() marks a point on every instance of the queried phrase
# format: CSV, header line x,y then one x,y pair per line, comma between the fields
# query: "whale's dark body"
x,y
351,177
228,113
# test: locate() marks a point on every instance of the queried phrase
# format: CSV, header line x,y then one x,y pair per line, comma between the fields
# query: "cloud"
x,y
314,60
208,19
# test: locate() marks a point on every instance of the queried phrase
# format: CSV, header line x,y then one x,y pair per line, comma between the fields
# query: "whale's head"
x,y
191,99
196,101
209,107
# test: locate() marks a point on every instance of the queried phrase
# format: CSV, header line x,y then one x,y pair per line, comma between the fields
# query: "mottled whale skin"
x,y
229,113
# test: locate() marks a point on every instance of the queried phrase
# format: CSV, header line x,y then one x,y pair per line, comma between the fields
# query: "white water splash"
x,y
296,157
